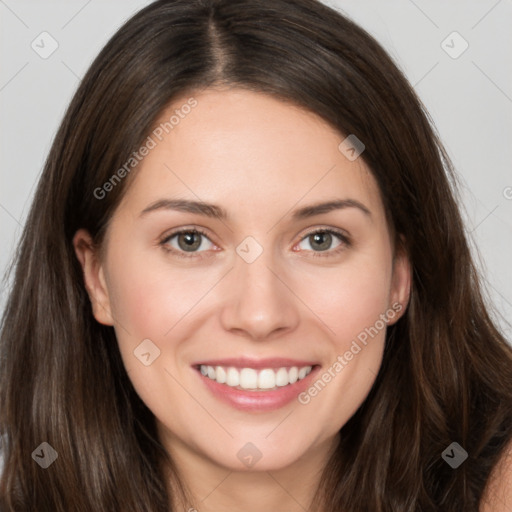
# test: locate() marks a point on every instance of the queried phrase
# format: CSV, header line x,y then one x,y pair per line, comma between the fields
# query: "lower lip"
x,y
258,400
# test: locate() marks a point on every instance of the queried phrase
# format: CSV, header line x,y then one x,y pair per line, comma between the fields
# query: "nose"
x,y
259,302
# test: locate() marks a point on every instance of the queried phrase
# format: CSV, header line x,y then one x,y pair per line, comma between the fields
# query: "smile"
x,y
250,379
256,386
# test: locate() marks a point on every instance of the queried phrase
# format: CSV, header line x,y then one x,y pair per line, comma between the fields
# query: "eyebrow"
x,y
217,212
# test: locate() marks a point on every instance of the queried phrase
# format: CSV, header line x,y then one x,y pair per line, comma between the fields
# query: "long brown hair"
x,y
447,371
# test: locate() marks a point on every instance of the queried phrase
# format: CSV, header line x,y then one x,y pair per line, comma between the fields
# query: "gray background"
x,y
469,99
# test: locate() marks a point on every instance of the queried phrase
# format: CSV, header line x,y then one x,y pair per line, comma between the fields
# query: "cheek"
x,y
350,303
351,297
149,297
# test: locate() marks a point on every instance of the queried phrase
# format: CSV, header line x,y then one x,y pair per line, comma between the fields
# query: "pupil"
x,y
320,236
189,241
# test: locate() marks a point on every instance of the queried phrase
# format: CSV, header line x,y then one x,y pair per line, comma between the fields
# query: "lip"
x,y
257,364
257,401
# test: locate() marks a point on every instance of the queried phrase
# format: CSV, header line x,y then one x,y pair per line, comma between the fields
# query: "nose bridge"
x,y
253,270
259,302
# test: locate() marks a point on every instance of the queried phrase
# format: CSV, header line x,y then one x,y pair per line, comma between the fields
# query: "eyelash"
x,y
329,253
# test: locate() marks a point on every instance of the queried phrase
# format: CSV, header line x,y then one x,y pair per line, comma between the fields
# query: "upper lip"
x,y
246,362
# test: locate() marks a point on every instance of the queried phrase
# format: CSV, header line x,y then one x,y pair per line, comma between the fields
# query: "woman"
x,y
244,284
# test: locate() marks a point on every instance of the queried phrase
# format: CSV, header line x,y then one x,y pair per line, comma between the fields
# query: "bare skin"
x,y
259,159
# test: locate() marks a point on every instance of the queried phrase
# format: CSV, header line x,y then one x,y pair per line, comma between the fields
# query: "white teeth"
x,y
282,377
221,375
267,379
248,378
251,379
233,378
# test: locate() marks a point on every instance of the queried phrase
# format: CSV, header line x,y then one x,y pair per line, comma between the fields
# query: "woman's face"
x,y
259,300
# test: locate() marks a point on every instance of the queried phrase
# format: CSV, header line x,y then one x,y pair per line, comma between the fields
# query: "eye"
x,y
322,239
188,241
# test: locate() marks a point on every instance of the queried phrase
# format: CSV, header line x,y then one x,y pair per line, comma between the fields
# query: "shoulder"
x,y
498,492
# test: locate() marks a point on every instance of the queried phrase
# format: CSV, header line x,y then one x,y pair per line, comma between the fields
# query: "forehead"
x,y
249,151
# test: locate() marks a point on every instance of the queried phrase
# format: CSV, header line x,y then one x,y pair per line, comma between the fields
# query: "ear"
x,y
400,282
94,277
497,496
